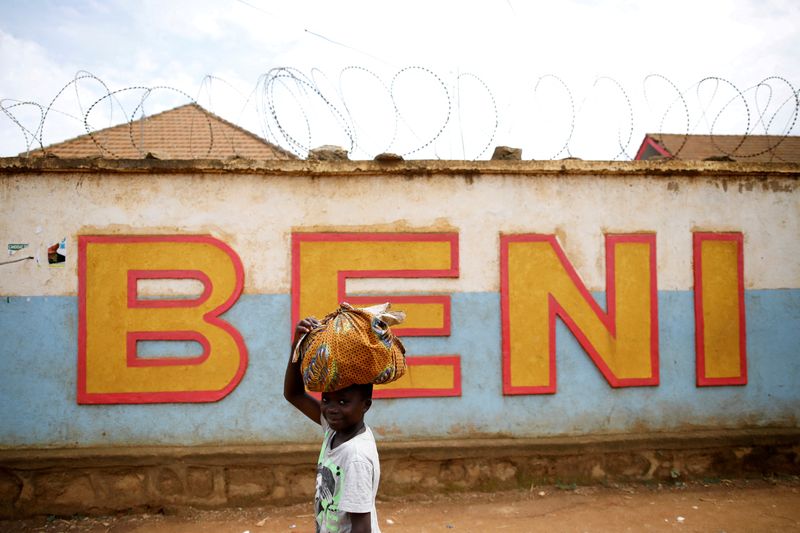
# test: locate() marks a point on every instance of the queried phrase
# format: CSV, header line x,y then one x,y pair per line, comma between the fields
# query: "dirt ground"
x,y
717,506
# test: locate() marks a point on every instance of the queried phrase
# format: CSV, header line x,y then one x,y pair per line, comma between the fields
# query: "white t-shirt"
x,y
347,481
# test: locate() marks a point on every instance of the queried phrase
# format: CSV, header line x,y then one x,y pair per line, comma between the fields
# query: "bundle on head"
x,y
352,346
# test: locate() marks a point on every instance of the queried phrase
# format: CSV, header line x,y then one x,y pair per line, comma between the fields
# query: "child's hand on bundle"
x,y
304,326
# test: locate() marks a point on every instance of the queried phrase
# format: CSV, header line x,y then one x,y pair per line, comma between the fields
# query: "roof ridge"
x,y
243,130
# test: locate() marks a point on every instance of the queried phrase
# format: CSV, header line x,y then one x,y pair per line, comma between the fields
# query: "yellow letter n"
x,y
538,284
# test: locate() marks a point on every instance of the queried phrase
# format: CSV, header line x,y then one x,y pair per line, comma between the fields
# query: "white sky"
x,y
592,47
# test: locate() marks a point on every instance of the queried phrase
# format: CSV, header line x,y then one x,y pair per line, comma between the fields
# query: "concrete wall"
x,y
254,208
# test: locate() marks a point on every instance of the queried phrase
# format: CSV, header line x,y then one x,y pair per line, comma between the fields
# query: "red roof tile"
x,y
746,148
185,132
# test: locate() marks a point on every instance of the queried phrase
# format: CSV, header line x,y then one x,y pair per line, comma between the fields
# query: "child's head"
x,y
345,408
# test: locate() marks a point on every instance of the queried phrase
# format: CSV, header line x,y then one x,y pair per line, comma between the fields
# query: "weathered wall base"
x,y
103,480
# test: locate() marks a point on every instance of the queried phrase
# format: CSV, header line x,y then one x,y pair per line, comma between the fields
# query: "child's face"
x,y
344,409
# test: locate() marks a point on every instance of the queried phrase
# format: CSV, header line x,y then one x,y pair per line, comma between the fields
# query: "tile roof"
x,y
185,132
749,148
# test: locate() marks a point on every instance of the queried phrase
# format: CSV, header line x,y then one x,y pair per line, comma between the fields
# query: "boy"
x,y
348,469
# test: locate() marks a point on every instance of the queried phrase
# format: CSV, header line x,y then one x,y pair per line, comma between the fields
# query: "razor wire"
x,y
417,112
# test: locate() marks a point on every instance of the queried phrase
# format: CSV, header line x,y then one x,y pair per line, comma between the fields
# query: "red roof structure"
x,y
185,132
745,148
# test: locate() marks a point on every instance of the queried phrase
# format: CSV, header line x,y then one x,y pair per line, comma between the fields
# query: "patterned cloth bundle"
x,y
352,345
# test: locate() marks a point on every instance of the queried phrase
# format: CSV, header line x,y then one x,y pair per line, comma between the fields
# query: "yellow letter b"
x,y
114,319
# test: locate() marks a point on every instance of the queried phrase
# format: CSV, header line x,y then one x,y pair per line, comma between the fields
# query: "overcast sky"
x,y
465,75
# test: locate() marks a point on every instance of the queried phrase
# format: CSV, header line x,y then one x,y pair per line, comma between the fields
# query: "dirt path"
x,y
741,506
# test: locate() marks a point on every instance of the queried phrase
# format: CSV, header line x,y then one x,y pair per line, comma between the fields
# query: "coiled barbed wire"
x,y
386,91
495,113
680,97
7,104
565,147
623,144
745,131
795,95
206,85
298,111
446,120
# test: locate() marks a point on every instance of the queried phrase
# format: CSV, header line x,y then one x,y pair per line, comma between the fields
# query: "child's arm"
x,y
293,389
360,523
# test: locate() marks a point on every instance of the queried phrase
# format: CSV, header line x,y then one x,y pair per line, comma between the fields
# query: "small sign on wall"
x,y
57,254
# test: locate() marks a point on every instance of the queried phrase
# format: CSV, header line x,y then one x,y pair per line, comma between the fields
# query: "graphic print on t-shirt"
x,y
330,479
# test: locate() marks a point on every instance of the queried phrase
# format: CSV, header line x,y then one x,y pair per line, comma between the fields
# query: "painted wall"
x,y
543,298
